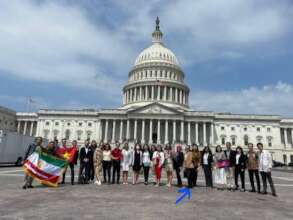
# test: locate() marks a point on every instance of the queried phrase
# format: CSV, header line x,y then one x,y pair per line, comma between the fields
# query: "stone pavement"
x,y
139,201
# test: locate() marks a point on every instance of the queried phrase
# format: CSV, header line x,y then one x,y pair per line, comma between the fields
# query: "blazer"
x,y
178,160
242,161
231,158
210,159
83,155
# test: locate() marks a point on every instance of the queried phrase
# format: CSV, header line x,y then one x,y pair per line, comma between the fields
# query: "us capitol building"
x,y
155,110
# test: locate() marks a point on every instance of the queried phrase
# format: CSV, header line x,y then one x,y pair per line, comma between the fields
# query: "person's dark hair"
x,y
196,147
259,144
107,147
159,148
137,144
240,148
153,148
218,149
207,149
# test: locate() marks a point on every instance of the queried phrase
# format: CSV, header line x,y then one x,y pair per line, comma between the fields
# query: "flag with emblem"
x,y
45,168
68,153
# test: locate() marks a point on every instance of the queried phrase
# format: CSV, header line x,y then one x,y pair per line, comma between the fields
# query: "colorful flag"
x,y
68,153
45,168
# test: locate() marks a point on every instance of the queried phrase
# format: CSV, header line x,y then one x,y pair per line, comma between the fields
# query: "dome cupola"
x,y
156,77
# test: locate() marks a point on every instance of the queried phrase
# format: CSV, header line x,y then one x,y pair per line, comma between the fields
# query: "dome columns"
x,y
160,93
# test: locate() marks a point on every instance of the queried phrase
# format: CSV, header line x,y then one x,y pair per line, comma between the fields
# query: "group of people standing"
x,y
221,169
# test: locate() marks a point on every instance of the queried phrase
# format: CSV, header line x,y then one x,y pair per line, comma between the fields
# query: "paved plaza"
x,y
139,201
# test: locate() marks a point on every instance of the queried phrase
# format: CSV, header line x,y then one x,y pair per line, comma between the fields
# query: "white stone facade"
x,y
155,110
7,119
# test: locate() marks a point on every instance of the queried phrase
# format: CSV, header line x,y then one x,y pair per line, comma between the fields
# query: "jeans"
x,y
107,170
265,176
253,173
86,168
179,181
190,178
194,176
116,168
71,165
208,175
146,170
240,172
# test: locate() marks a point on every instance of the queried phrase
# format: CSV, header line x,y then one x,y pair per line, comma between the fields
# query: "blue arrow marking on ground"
x,y
185,192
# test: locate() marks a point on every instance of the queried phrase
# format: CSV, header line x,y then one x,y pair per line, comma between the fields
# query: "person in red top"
x,y
116,156
61,150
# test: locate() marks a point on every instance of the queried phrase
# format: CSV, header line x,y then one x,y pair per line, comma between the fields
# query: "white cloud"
x,y
270,99
57,43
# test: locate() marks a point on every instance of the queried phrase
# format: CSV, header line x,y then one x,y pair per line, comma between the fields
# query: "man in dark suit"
x,y
178,163
86,156
231,156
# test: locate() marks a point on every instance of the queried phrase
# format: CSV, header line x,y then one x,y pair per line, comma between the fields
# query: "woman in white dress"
x,y
220,168
125,162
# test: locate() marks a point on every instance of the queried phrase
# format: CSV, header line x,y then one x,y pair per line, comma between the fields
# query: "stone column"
x,y
127,130
142,131
25,126
151,132
196,132
182,132
18,126
180,96
120,131
153,93
159,92
184,97
146,93
174,131
285,137
165,93
135,94
130,100
166,132
98,130
204,134
176,95
113,131
140,93
159,131
188,133
106,131
171,94
32,127
292,136
212,140
135,130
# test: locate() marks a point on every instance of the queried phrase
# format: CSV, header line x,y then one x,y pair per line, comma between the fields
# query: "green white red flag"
x,y
45,168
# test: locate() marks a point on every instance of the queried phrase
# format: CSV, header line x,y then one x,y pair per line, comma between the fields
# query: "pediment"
x,y
156,108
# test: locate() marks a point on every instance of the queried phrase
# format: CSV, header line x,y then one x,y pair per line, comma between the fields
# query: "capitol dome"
x,y
156,77
157,52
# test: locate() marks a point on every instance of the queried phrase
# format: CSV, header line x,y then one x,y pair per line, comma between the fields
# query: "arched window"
x,y
223,139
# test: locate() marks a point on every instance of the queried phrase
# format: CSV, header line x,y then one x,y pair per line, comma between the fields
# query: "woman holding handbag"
x,y
221,163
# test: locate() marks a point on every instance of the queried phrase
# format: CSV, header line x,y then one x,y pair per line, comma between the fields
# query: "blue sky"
x,y
236,54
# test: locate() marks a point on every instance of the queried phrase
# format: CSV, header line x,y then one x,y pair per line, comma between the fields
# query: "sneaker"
x,y
24,187
168,185
99,183
157,185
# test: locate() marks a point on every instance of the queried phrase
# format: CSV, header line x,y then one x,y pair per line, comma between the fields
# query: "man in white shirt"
x,y
265,168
